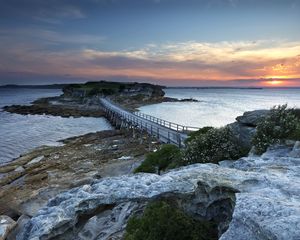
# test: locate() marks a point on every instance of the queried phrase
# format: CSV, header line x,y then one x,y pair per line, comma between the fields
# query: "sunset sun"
x,y
275,82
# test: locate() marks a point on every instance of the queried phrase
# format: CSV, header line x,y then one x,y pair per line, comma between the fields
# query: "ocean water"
x,y
218,107
19,134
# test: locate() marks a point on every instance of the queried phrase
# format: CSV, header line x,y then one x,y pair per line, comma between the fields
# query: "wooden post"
x,y
179,140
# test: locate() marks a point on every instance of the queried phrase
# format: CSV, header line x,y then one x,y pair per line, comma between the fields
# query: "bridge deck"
x,y
165,131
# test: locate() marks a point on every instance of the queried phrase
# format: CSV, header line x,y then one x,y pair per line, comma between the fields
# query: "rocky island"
x,y
83,99
236,182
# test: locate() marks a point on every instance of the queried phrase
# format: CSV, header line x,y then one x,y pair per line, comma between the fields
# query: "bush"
x,y
193,135
161,221
214,145
280,124
168,156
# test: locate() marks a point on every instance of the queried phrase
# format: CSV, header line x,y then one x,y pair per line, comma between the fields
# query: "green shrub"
x,y
193,135
93,91
280,124
214,145
296,112
161,221
168,156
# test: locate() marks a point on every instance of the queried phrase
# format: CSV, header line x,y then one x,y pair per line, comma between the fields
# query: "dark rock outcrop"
x,y
244,127
6,225
252,118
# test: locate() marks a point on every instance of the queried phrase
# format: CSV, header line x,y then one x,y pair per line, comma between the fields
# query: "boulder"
x,y
296,150
20,224
19,169
243,134
6,225
251,198
252,118
35,160
244,127
109,224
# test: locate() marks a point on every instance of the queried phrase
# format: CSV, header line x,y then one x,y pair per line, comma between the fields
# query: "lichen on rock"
x,y
251,198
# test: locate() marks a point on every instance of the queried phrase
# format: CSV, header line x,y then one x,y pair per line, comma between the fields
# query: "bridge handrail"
x,y
166,123
163,133
159,121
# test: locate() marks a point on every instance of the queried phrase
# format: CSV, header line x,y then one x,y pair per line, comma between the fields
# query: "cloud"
x,y
210,52
58,14
195,62
44,37
227,59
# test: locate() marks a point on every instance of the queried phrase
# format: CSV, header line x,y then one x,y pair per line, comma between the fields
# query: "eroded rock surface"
x,y
6,225
265,190
30,181
244,127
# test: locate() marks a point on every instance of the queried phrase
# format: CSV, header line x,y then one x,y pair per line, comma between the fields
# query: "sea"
x,y
216,107
20,134
219,106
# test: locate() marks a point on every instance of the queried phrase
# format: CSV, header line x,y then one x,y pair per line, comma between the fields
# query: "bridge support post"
x,y
179,140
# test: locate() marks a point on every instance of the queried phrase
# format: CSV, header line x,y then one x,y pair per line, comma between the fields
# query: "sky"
x,y
242,43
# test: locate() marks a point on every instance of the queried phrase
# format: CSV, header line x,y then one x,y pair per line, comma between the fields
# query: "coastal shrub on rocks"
x,y
161,221
212,146
194,134
168,156
280,124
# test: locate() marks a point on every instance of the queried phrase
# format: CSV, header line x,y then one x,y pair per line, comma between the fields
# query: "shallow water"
x,y
19,134
218,107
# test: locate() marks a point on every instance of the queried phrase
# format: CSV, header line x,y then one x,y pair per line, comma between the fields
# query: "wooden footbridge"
x,y
164,131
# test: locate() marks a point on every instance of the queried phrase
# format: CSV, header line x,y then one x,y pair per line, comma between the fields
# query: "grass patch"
x,y
167,157
161,221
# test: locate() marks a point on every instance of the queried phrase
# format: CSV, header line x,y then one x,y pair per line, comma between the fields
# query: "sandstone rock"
x,y
244,127
261,194
252,118
296,150
22,221
6,225
109,224
125,158
35,160
244,134
36,202
19,169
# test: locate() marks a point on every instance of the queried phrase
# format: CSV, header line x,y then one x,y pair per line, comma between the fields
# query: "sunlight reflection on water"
x,y
218,107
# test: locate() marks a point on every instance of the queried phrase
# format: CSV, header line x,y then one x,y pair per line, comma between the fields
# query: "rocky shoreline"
x,y
86,189
256,197
28,182
58,106
73,103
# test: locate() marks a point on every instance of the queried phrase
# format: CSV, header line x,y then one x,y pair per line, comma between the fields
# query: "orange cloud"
x,y
188,61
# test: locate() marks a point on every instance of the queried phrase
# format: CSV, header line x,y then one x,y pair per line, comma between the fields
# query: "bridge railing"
x,y
167,124
165,131
167,136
